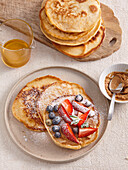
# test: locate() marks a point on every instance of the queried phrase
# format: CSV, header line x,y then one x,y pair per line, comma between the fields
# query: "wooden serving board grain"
x,y
28,10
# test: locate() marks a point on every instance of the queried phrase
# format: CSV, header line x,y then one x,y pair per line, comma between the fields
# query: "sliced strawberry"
x,y
79,107
67,131
67,106
79,119
83,132
64,114
83,117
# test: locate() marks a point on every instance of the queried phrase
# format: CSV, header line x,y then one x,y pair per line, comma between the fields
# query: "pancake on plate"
x,y
83,50
24,106
69,115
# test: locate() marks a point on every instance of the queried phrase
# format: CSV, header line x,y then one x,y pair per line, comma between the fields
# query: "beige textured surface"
x,y
111,152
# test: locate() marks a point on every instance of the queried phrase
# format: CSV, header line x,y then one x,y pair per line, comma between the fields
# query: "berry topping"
x,y
56,128
78,98
57,134
55,108
82,118
51,115
56,120
64,114
48,122
49,108
75,130
79,107
67,131
67,106
83,132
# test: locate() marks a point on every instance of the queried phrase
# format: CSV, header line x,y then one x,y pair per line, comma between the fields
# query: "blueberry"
x,y
48,122
56,128
57,134
51,115
78,98
56,120
55,108
75,130
49,109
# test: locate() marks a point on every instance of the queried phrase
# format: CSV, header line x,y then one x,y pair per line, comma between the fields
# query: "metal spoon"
x,y
115,88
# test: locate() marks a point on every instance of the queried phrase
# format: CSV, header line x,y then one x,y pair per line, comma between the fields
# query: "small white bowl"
x,y
116,67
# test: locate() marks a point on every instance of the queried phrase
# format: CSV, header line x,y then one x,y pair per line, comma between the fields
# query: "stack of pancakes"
x,y
29,106
75,27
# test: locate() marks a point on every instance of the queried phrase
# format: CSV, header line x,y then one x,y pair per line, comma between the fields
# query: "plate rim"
x,y
11,134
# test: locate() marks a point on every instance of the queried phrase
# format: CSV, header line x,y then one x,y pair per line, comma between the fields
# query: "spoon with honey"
x,y
115,87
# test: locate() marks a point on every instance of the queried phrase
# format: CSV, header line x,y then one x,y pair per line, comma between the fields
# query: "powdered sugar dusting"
x,y
52,96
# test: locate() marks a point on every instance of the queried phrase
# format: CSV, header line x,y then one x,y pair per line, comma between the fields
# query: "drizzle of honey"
x,y
15,53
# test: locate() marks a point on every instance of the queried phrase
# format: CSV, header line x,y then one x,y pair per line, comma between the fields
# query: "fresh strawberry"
x,y
79,119
64,114
79,107
67,131
67,106
82,118
83,132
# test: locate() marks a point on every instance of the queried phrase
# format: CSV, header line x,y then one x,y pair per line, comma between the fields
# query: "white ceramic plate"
x,y
116,67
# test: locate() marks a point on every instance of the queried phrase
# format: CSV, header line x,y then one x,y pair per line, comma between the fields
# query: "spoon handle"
x,y
111,108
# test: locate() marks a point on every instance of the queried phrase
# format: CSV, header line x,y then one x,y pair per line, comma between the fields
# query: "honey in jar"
x,y
15,53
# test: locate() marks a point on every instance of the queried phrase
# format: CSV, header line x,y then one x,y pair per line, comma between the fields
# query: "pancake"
x,y
73,15
72,51
93,121
83,50
56,90
50,96
24,106
53,31
78,41
95,42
